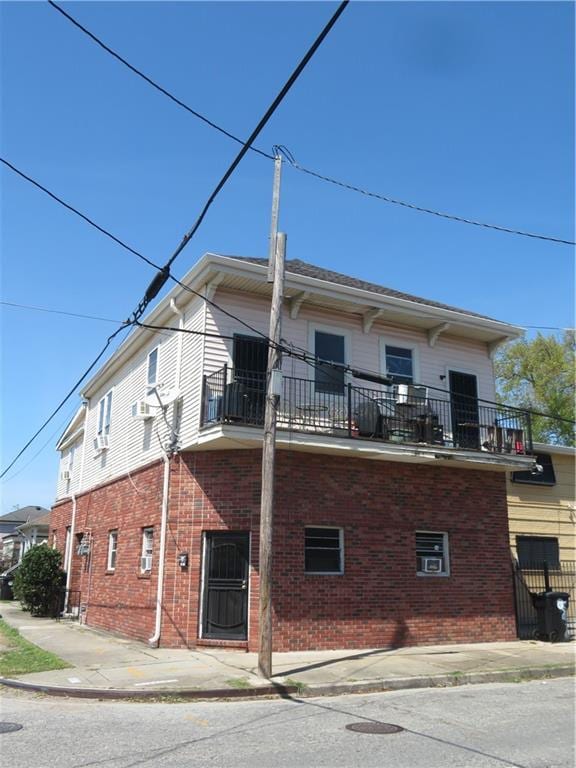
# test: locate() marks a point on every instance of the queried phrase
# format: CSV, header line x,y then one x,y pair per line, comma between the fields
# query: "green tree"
x,y
39,579
539,375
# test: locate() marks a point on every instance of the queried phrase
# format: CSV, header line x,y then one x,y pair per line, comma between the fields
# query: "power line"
x,y
78,213
197,293
58,312
130,250
421,209
65,400
163,273
257,130
154,84
60,426
290,157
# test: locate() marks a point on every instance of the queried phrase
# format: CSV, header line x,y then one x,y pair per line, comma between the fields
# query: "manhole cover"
x,y
9,727
374,727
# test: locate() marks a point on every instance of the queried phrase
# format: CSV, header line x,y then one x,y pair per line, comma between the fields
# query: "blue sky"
x,y
462,107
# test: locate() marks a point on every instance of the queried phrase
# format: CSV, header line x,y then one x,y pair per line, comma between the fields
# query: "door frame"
x,y
466,372
202,590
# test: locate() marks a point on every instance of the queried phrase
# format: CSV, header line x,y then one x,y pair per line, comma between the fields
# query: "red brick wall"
x,y
378,601
121,601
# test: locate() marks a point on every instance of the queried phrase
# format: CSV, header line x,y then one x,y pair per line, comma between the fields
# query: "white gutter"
x,y
154,640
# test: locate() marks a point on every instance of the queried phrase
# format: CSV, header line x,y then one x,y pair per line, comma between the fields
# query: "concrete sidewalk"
x,y
105,666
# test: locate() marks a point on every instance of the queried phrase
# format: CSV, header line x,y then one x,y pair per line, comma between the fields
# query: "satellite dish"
x,y
163,396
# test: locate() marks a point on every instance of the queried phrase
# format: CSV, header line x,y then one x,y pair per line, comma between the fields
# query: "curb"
x,y
277,690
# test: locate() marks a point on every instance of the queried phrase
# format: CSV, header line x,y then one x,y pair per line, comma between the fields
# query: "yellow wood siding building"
x,y
545,510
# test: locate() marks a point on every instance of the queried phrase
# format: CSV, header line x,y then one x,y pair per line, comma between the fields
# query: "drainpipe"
x,y
155,639
70,550
177,311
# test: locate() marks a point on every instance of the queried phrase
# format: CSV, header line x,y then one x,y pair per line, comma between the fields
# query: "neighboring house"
x,y
390,520
34,532
542,518
12,542
542,508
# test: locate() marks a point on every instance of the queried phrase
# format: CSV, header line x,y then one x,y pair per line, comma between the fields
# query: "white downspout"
x,y
70,553
177,311
71,543
154,640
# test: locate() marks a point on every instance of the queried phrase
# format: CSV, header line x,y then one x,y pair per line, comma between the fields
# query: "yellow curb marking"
x,y
135,672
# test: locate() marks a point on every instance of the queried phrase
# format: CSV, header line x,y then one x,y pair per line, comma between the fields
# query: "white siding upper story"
x,y
173,364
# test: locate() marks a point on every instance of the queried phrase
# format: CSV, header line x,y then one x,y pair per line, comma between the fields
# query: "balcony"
x,y
398,414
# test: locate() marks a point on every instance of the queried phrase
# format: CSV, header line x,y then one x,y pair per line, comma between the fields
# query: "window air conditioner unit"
x,y
83,548
142,410
146,563
101,443
432,565
66,474
402,393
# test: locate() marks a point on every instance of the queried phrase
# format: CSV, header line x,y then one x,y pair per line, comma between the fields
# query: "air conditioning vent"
x,y
101,443
141,410
432,565
83,548
146,563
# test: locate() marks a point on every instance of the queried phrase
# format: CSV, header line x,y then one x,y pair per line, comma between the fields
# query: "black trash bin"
x,y
551,609
6,588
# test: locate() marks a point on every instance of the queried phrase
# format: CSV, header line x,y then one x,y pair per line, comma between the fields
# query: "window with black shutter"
x,y
536,550
546,477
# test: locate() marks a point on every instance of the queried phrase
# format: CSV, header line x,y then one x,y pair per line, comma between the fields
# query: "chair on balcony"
x,y
368,419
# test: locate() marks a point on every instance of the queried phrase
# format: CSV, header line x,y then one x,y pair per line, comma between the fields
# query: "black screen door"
x,y
246,395
464,406
250,360
226,560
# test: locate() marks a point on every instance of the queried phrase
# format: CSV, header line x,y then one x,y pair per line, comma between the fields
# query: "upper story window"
x,y
399,364
546,477
152,375
104,414
331,348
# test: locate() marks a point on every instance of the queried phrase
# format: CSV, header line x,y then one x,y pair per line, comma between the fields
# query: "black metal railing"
x,y
535,577
399,414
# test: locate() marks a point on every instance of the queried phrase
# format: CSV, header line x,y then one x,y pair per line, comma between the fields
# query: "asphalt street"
x,y
527,725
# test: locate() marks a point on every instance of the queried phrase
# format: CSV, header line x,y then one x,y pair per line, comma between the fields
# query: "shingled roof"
x,y
24,514
297,267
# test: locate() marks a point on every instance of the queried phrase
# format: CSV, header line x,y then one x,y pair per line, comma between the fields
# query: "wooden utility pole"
x,y
274,217
273,391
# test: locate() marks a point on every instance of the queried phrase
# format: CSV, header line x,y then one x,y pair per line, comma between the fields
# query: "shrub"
x,y
39,580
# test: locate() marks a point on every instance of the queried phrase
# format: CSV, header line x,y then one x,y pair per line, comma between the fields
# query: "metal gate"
x,y
531,578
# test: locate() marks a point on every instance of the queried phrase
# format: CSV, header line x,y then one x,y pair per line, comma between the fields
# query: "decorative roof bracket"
x,y
434,333
211,286
369,317
296,303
